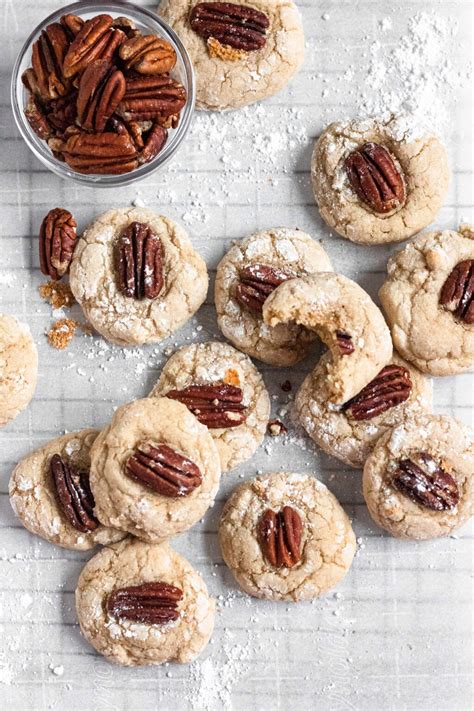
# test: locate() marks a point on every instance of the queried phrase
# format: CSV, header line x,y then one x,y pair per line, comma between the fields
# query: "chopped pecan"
x,y
375,177
155,139
279,535
48,57
152,97
74,494
148,603
422,479
256,282
97,39
57,240
139,262
100,153
163,470
37,118
345,343
457,294
216,406
148,54
235,25
275,428
101,89
389,388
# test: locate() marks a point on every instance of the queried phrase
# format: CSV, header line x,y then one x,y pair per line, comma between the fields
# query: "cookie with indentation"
x,y
139,603
50,493
225,391
419,481
18,367
350,432
378,181
247,275
136,276
344,316
428,298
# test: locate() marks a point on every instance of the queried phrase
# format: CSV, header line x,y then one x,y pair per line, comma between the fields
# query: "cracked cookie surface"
x,y
327,542
18,367
128,643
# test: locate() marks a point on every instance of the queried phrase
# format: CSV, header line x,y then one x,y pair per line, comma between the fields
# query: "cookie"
x,y
378,181
154,470
286,537
419,480
225,391
246,276
345,318
50,493
140,603
18,367
137,276
350,432
240,54
428,300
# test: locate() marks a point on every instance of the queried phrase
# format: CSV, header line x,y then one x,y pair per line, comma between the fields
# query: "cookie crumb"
x,y
57,293
60,335
223,51
275,428
232,377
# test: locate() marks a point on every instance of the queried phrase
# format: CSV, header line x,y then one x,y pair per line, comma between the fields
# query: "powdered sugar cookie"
x,y
18,367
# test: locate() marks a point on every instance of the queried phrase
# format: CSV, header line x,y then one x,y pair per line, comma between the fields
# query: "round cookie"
x,y
428,301
162,494
289,251
375,198
18,367
345,318
125,308
228,77
232,377
286,537
341,432
154,634
419,481
52,498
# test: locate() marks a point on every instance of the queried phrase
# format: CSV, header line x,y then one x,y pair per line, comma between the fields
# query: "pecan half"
x,y
101,89
279,535
148,54
235,25
422,479
73,494
100,153
163,470
148,98
148,603
97,39
345,343
62,112
375,177
389,388
139,262
37,118
216,406
57,240
457,294
48,57
155,139
127,26
73,24
256,282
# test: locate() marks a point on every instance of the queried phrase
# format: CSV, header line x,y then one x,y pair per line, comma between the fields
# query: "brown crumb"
x,y
232,377
60,335
286,386
275,428
224,51
57,293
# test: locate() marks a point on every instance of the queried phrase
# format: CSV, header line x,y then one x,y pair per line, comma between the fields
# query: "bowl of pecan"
x,y
103,93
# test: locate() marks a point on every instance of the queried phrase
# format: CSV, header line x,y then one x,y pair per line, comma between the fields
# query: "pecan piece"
x,y
457,294
279,535
57,240
100,153
234,25
37,118
148,54
150,98
216,406
148,603
389,388
344,342
256,283
97,39
154,142
101,89
48,57
74,494
127,26
139,262
424,480
375,177
63,112
163,470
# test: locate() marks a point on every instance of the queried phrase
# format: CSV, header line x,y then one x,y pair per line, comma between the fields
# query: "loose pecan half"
x,y
148,603
97,39
422,479
151,97
163,470
345,343
255,284
148,54
375,177
101,89
48,57
235,25
57,240
389,388
279,535
74,494
100,153
457,294
216,406
37,118
139,262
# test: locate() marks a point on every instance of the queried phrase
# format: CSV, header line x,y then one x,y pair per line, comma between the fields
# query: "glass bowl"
x,y
183,72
